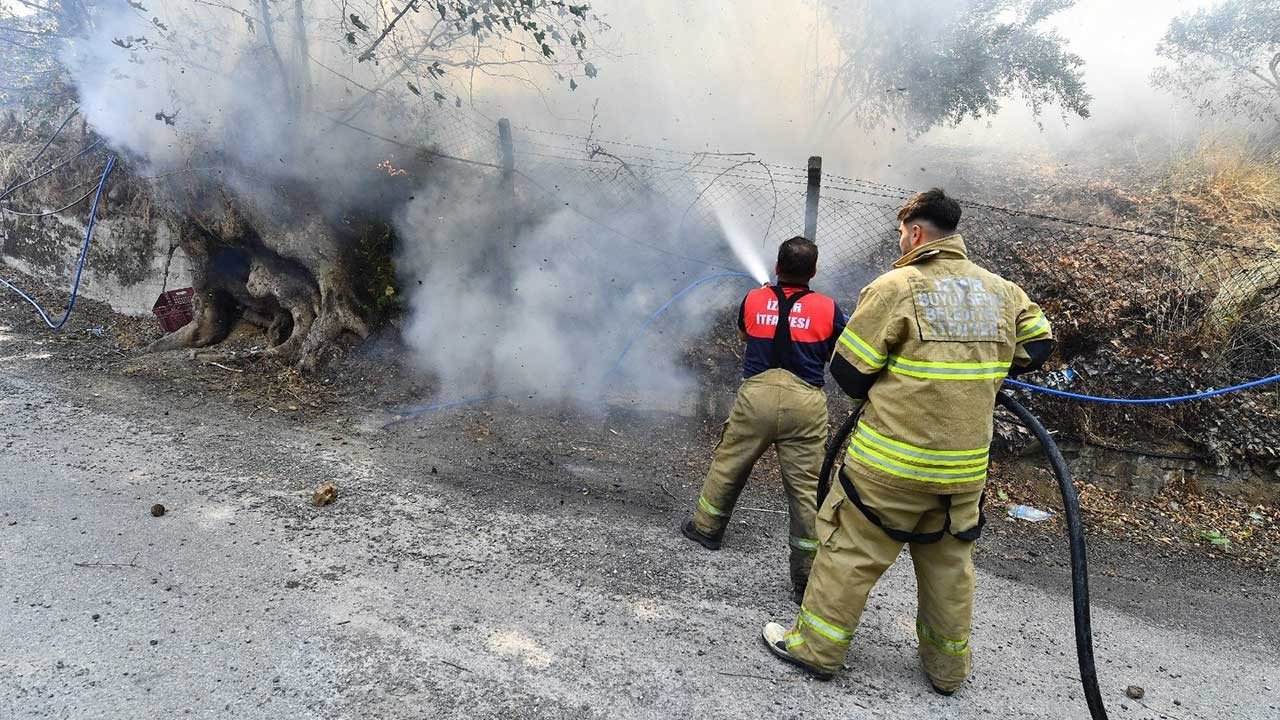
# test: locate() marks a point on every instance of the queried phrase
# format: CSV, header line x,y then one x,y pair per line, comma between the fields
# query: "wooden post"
x,y
811,198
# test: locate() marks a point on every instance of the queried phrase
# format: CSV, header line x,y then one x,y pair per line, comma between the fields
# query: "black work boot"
x,y
710,542
797,593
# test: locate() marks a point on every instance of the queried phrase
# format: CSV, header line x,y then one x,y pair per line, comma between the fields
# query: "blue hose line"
x,y
84,252
410,412
658,313
1142,401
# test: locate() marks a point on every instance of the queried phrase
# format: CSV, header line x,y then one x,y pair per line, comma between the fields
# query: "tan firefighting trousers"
x,y
773,408
853,555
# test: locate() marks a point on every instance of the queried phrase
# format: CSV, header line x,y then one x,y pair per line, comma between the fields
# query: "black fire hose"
x,y
1075,536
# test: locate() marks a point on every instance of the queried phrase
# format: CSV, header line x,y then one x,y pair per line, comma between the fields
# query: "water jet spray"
x,y
739,240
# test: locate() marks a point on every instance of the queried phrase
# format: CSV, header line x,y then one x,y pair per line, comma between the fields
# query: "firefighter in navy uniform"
x,y
928,346
790,332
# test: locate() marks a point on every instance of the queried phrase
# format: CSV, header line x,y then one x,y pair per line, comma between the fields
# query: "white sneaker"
x,y
773,635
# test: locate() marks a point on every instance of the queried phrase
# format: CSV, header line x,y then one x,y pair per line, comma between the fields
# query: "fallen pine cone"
x,y
324,494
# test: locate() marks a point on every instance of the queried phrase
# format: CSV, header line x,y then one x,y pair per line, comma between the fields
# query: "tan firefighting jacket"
x,y
942,332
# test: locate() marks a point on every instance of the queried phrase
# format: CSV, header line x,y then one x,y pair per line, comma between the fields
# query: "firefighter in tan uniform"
x,y
790,333
928,347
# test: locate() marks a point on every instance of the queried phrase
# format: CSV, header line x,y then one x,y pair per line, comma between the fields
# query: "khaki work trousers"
x,y
854,554
779,409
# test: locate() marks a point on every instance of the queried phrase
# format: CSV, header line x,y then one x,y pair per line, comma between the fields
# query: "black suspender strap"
x,y
910,537
782,333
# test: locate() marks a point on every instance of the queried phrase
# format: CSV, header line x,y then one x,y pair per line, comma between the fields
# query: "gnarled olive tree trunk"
x,y
288,271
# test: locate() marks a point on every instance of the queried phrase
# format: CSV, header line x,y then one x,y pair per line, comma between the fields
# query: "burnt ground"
x,y
497,560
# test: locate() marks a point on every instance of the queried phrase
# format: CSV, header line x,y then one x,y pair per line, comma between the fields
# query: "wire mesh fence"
x,y
1102,284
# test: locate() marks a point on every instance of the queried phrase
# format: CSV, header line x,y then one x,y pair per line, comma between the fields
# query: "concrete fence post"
x,y
811,198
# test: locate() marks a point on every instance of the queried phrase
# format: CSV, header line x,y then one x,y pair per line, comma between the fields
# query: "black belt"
x,y
911,537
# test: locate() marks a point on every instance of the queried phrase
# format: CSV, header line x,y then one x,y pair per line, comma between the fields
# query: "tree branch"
x,y
304,54
271,43
35,6
410,5
46,51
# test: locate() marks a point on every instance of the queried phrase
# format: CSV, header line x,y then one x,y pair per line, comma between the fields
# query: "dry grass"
x,y
1228,189
1231,189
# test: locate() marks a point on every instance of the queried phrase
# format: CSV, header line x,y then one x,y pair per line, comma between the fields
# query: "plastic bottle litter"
x,y
1028,513
1059,378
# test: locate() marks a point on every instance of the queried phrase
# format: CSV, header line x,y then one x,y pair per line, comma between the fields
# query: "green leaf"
x,y
1215,537
414,89
440,98
572,84
590,70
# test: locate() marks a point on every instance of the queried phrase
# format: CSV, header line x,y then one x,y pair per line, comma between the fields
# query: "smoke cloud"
x,y
536,291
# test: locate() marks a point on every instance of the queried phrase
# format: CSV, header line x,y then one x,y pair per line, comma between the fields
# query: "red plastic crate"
x,y
173,308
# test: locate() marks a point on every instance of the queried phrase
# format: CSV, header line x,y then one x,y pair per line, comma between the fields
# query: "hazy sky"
x,y
740,75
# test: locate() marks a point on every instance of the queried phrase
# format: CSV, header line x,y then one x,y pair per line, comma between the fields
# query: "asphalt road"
x,y
453,578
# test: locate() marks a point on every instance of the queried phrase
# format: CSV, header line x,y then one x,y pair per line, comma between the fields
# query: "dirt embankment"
x,y
1188,304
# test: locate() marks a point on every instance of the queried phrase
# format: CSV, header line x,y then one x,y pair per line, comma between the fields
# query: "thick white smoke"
x,y
545,312
544,308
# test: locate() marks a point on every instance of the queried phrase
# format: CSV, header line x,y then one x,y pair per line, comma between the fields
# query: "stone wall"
x,y
125,267
1144,474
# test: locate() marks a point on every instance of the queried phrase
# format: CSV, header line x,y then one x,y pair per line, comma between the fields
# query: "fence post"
x,y
507,189
508,149
811,198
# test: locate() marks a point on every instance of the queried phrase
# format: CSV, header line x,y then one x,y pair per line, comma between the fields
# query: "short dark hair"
x,y
798,256
933,206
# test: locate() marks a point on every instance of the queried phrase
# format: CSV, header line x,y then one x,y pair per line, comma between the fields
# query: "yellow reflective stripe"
x,y
918,455
916,448
862,349
1041,325
950,647
967,468
793,639
941,466
708,508
997,365
830,631
938,475
803,543
947,371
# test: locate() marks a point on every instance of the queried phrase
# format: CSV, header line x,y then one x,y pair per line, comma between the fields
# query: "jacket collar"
x,y
950,247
